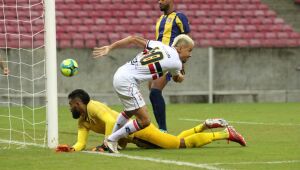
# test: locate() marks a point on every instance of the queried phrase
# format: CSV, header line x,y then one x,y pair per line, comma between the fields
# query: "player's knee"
x,y
144,123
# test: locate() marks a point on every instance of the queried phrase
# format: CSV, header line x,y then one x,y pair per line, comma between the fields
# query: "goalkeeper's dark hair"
x,y
81,94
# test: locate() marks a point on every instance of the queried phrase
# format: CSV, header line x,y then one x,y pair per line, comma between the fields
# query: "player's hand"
x,y
178,78
64,148
101,51
5,71
100,148
182,71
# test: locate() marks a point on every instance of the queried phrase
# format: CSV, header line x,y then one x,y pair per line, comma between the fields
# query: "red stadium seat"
x,y
223,35
294,35
78,44
202,28
255,43
100,36
230,43
204,43
90,43
63,36
209,35
270,35
235,35
77,36
259,13
225,13
231,21
89,36
89,21
82,28
242,43
215,28
278,21
65,44
247,35
76,21
217,43
259,35
239,28
62,21
282,35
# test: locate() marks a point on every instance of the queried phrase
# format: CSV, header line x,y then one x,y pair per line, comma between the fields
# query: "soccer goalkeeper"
x,y
96,116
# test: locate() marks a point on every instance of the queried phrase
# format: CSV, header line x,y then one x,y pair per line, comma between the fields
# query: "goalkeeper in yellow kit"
x,y
96,116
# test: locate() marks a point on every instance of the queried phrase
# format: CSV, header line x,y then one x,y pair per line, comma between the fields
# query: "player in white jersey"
x,y
156,59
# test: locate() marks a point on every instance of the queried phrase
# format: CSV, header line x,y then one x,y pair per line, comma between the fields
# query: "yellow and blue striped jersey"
x,y
170,26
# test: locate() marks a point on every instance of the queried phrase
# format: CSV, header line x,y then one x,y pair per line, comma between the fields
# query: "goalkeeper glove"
x,y
64,148
100,148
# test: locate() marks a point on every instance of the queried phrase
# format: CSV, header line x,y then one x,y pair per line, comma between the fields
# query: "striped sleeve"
x,y
183,23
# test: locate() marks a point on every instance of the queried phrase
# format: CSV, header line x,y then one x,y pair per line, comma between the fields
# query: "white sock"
x,y
130,127
121,120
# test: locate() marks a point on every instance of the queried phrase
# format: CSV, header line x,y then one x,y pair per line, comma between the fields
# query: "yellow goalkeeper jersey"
x,y
100,119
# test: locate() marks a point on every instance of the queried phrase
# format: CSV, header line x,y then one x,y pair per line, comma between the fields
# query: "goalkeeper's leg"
x,y
200,139
207,124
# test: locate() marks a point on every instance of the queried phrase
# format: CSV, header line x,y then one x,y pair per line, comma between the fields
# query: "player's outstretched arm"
x,y
102,51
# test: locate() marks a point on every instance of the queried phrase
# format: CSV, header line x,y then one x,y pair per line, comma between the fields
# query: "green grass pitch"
x,y
272,132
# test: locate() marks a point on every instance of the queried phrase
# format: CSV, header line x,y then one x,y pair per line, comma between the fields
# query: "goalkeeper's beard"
x,y
75,114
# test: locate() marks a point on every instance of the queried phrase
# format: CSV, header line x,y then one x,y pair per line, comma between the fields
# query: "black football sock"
x,y
159,108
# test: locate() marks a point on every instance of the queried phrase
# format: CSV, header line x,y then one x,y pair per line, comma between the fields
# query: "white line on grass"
x,y
248,123
246,163
22,144
172,162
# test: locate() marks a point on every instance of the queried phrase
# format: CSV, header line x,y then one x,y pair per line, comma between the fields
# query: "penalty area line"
x,y
248,123
157,160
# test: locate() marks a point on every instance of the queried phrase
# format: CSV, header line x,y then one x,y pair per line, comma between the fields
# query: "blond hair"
x,y
182,40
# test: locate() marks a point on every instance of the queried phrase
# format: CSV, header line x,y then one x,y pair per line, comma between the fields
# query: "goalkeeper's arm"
x,y
64,148
81,139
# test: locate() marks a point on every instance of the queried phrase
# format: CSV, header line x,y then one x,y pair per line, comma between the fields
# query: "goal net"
x,y
23,92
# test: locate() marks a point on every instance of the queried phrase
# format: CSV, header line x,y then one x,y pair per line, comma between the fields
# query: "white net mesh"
x,y
22,92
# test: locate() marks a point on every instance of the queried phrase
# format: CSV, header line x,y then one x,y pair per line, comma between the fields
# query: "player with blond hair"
x,y
156,59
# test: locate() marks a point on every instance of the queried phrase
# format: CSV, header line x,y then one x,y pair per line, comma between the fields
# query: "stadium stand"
x,y
216,23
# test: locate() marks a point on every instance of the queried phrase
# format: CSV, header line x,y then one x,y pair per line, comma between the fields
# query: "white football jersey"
x,y
154,62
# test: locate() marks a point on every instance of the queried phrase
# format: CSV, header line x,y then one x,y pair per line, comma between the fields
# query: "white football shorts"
x,y
128,92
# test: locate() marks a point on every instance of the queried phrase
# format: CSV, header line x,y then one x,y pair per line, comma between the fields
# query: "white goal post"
x,y
28,93
51,73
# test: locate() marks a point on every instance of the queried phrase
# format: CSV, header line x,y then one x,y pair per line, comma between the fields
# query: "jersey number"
x,y
154,55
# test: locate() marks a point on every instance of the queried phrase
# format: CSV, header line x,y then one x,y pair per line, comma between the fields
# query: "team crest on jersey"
x,y
169,20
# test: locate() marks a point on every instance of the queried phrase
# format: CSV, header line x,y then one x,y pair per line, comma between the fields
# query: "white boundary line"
x,y
248,123
246,163
158,160
21,143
